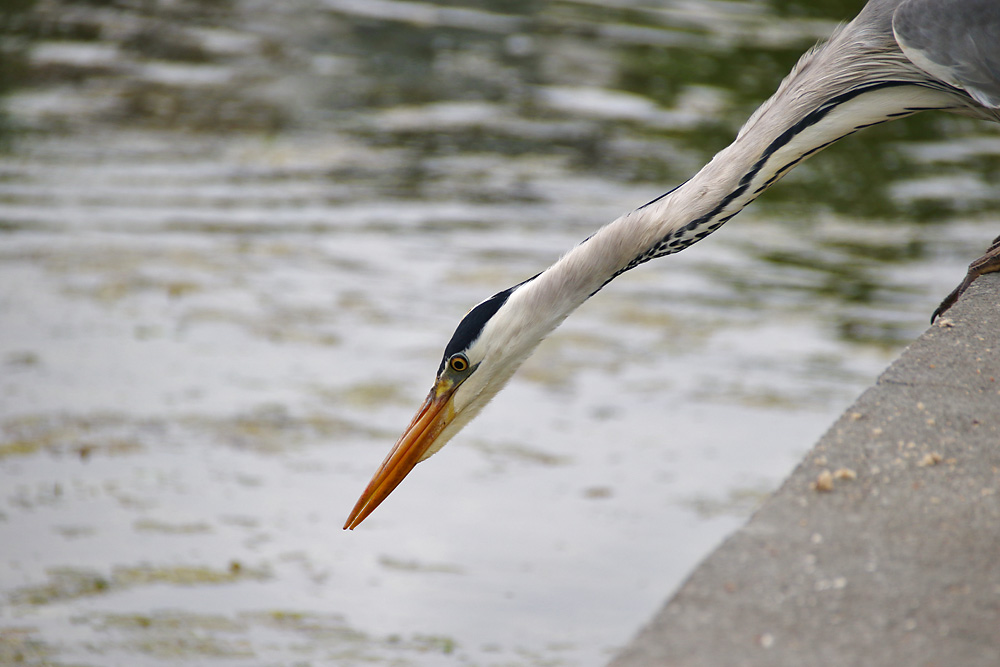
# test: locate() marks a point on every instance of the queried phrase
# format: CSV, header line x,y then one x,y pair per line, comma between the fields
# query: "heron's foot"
x,y
988,263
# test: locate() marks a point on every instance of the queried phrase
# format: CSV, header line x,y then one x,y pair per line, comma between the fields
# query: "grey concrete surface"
x,y
899,565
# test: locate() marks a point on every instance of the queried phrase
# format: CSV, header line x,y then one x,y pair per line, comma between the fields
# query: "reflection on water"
x,y
14,40
236,236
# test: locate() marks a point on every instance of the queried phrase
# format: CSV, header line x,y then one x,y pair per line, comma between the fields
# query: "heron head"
x,y
488,345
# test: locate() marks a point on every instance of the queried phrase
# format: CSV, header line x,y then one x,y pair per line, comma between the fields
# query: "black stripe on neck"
x,y
807,121
684,236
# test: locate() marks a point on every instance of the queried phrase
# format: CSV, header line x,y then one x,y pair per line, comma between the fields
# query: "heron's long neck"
x,y
775,139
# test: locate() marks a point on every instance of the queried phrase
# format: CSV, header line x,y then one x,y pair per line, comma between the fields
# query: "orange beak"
x,y
411,448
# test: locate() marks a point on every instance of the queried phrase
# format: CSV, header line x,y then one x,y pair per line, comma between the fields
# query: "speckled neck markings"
x,y
702,226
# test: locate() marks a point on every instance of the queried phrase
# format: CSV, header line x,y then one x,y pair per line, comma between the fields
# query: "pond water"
x,y
235,237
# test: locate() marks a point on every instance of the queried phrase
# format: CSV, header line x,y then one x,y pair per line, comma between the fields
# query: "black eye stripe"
x,y
472,324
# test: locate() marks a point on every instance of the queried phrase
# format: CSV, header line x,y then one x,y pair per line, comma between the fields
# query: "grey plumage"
x,y
957,41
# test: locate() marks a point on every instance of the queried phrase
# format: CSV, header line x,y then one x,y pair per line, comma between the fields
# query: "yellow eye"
x,y
459,363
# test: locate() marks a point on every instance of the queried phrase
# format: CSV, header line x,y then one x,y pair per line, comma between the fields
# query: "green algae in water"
x,y
154,526
67,583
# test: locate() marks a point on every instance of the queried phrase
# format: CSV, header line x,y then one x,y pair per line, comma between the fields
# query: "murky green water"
x,y
237,234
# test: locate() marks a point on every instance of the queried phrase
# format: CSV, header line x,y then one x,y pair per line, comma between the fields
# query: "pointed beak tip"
x,y
412,447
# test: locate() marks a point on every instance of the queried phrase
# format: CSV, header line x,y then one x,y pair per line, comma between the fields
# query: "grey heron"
x,y
895,59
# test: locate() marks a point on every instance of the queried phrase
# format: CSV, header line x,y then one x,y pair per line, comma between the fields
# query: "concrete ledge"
x,y
898,566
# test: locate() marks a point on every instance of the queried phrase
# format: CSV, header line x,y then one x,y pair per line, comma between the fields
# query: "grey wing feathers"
x,y
957,41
